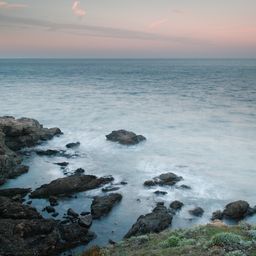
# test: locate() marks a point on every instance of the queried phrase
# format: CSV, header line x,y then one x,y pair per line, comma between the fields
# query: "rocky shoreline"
x,y
23,230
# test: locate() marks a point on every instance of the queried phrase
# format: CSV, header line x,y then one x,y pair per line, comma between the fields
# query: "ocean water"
x,y
199,117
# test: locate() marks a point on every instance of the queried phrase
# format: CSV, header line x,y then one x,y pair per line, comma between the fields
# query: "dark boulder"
x,y
62,164
49,209
48,152
125,137
176,205
79,171
73,145
102,205
70,185
110,189
198,212
85,221
53,201
236,210
154,222
164,179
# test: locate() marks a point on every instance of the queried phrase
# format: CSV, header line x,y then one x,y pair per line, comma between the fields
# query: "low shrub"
x,y
225,239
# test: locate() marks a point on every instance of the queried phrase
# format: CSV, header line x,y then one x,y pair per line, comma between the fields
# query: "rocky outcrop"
x,y
125,137
154,222
236,210
23,231
164,179
11,192
16,134
73,144
70,185
102,205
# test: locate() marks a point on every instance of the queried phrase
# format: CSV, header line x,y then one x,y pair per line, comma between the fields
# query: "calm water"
x,y
199,117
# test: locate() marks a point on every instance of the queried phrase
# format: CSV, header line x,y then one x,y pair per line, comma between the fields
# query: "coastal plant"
x,y
252,234
172,241
235,253
225,239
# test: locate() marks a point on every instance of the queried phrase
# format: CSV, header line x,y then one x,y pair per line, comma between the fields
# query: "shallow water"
x,y
198,117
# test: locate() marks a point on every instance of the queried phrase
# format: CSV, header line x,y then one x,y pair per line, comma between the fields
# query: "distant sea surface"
x,y
199,117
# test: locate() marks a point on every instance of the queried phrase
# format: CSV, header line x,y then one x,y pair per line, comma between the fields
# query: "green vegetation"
x,y
209,240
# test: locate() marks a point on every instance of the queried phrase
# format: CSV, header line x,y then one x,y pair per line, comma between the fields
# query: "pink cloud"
x,y
158,23
6,5
77,10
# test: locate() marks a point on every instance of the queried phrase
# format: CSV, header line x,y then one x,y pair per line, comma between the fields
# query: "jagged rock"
x,y
70,185
154,222
11,192
10,209
79,171
198,211
236,210
16,134
103,205
73,145
85,221
164,179
125,137
49,152
176,205
40,237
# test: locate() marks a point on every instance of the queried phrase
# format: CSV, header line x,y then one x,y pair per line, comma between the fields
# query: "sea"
x,y
198,115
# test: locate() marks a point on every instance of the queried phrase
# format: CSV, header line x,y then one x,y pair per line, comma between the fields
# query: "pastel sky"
x,y
128,28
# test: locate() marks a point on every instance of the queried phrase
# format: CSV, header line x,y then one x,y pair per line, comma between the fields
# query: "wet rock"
x,y
73,145
16,134
29,202
69,185
40,237
55,214
10,209
72,213
217,215
154,222
236,210
103,205
163,179
2,181
11,192
184,187
125,137
79,171
85,213
53,201
198,212
85,221
62,164
48,152
110,241
160,193
49,209
110,189
176,205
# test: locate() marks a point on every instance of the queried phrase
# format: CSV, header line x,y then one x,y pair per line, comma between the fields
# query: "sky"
x,y
128,28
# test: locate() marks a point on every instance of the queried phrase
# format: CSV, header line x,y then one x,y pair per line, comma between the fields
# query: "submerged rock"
x,y
198,212
102,205
176,205
72,213
49,152
85,221
154,222
73,145
62,164
160,193
125,137
70,185
110,189
164,179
